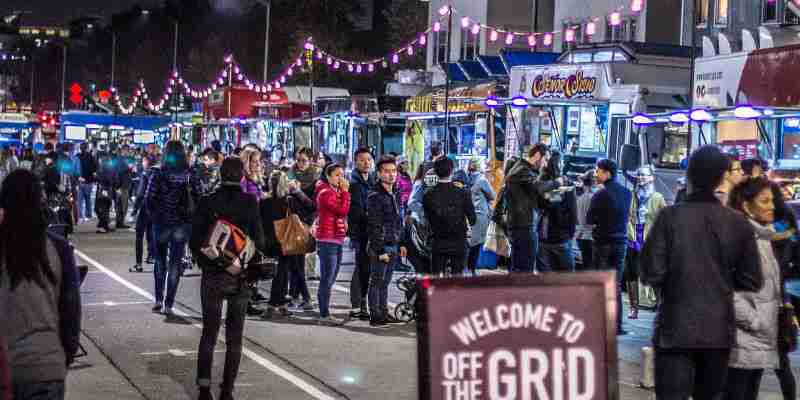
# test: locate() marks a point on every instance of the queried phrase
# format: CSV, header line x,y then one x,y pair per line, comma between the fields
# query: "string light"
x,y
532,40
493,35
476,29
509,39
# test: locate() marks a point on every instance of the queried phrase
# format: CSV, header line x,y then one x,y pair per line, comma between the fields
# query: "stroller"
x,y
407,310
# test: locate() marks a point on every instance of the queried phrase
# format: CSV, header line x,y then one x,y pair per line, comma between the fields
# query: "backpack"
x,y
227,240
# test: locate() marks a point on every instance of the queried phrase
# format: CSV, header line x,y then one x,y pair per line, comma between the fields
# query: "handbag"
x,y
487,259
497,241
293,235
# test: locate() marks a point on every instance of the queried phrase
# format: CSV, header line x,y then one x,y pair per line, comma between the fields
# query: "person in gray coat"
x,y
756,345
482,197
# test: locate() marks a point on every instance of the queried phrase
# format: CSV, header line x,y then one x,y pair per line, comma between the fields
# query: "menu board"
x,y
744,149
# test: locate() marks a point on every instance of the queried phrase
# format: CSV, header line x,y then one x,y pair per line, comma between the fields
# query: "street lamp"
x,y
268,5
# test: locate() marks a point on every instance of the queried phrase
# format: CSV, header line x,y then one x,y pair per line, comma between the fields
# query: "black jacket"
x,y
697,254
608,212
357,216
88,167
141,189
522,195
236,207
448,208
124,172
384,224
559,219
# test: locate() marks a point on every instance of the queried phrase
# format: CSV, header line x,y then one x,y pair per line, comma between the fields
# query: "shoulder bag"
x,y
293,235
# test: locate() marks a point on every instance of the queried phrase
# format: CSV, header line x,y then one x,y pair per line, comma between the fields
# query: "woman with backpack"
x,y
283,197
169,204
223,278
36,284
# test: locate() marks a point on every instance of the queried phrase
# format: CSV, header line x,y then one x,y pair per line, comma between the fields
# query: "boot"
x,y
205,394
226,394
633,297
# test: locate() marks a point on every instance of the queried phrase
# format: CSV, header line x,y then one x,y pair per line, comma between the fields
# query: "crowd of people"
x,y
714,263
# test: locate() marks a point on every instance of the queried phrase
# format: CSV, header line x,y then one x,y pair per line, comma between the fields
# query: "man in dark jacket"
x,y
361,183
385,229
448,209
124,166
106,181
223,277
205,175
608,213
558,223
88,167
522,199
697,254
143,223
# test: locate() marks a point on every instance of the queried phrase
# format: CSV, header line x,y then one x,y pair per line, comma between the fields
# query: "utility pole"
x,y
64,78
268,4
175,49
113,53
447,81
33,75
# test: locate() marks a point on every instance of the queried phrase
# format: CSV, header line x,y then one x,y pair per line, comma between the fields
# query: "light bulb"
x,y
548,39
423,39
476,29
465,22
509,39
493,36
437,26
532,40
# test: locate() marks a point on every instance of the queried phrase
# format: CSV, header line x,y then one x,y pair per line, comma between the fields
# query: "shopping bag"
x,y
487,259
497,241
293,235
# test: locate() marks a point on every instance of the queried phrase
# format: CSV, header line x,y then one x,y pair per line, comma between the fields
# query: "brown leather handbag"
x,y
293,235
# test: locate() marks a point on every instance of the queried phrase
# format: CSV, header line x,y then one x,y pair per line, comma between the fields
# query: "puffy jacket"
x,y
167,197
385,227
332,208
205,181
357,217
697,253
523,195
234,206
757,312
252,188
449,208
404,186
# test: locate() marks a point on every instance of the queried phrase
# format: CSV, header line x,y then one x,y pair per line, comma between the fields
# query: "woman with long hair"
x,y
756,347
30,290
168,203
253,178
284,196
333,204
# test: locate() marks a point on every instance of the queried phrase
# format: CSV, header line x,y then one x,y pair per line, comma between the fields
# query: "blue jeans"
x,y
330,258
379,279
524,248
555,257
172,239
85,200
611,256
53,390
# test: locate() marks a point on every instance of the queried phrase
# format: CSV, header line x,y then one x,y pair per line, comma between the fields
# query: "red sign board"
x,y
75,88
552,336
104,95
75,98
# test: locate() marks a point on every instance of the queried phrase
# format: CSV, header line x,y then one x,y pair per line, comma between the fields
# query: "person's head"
x,y
538,155
782,212
402,165
209,157
587,180
252,146
443,168
174,157
735,173
334,174
251,159
323,160
436,149
303,158
237,151
84,147
232,171
147,162
606,170
23,230
420,176
752,167
363,160
216,145
754,198
552,170
27,154
474,165
387,170
278,185
708,167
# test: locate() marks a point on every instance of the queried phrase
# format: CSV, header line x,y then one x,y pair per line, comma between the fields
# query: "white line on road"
x,y
114,303
277,370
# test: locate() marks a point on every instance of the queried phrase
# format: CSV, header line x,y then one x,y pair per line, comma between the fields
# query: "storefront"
x,y
579,105
79,127
16,129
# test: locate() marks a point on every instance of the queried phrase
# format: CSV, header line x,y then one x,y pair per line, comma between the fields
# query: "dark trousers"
x,y
611,256
699,373
587,262
743,384
214,289
786,377
298,287
102,206
472,259
524,249
450,262
53,390
144,229
121,203
379,280
280,282
170,247
555,257
85,200
359,282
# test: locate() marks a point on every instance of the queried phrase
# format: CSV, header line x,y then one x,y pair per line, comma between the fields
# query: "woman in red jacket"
x,y
333,204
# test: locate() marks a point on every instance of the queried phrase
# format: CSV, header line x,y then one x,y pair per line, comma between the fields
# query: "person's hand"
x,y
293,186
403,251
344,185
384,258
235,268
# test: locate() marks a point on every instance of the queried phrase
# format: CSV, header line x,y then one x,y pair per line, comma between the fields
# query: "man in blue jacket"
x,y
362,181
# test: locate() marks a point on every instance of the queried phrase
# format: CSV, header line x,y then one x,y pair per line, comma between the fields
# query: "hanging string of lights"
x,y
176,85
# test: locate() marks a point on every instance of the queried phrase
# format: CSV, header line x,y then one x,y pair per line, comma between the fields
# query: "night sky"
x,y
65,10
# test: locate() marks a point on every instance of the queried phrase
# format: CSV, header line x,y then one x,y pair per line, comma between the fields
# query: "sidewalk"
x,y
94,377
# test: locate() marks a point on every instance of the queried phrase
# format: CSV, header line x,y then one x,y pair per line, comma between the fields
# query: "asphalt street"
x,y
136,354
